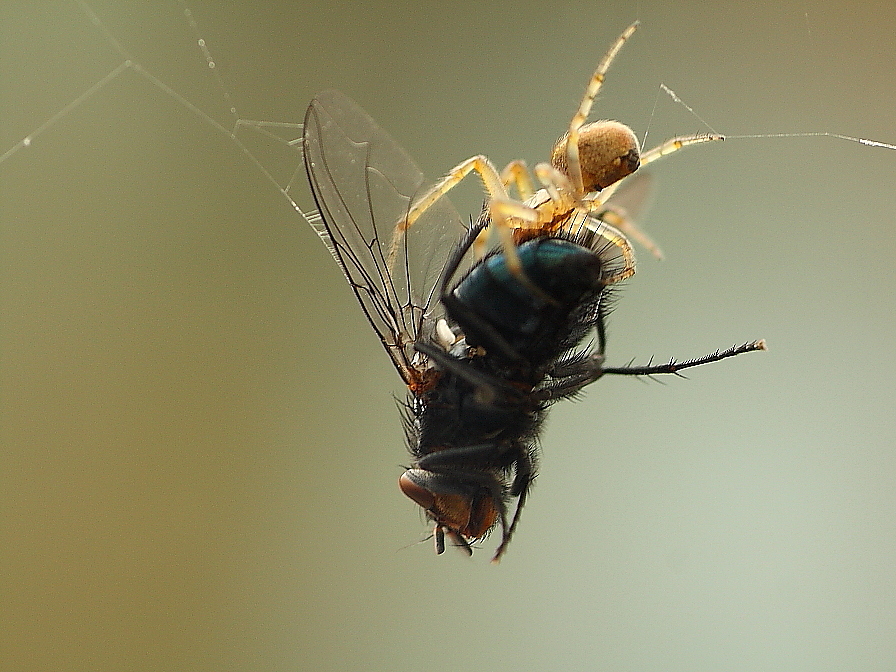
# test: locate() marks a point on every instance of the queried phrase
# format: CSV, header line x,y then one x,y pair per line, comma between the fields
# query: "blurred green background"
x,y
199,441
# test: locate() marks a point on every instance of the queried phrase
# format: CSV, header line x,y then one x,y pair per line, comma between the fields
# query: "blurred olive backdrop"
x,y
199,441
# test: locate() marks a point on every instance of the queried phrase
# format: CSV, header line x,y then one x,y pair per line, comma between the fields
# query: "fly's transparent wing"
x,y
633,198
627,205
364,184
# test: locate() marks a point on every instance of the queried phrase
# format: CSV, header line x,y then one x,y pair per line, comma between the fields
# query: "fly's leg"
x,y
457,540
460,250
525,473
461,368
675,367
569,378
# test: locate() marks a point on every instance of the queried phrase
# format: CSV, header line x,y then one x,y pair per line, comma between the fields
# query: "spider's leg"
x,y
670,146
563,196
674,144
478,164
619,217
581,116
517,174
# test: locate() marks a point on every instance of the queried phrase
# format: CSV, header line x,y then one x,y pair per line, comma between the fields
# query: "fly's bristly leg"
x,y
568,379
525,474
676,367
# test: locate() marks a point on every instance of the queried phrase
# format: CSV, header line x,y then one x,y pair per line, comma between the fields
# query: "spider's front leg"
x,y
491,179
479,164
609,210
670,146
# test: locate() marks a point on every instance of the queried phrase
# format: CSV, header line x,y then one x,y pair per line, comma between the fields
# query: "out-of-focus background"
x,y
198,436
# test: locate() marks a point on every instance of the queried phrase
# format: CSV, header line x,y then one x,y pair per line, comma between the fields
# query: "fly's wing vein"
x,y
364,183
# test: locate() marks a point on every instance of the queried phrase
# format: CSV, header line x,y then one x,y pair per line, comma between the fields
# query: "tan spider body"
x,y
588,163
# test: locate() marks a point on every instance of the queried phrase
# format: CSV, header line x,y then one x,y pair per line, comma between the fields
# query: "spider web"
x,y
273,148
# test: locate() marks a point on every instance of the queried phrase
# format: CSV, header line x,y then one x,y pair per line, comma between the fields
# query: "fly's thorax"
x,y
460,411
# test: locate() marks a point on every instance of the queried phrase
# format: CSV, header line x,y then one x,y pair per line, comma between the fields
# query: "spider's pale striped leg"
x,y
674,144
558,187
621,217
478,164
514,174
581,116
517,174
497,193
664,149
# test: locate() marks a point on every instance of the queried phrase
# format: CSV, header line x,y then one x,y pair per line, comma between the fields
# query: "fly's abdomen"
x,y
535,313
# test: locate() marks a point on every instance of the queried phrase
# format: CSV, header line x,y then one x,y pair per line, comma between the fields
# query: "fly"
x,y
485,337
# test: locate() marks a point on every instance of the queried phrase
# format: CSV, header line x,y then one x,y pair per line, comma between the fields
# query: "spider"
x,y
588,163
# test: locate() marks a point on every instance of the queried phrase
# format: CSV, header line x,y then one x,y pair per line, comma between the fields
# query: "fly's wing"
x,y
628,204
364,184
633,198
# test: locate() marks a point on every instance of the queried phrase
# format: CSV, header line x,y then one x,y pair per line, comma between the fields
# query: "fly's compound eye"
x,y
412,485
608,151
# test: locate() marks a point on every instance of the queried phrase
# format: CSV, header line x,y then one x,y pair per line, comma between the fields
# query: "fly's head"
x,y
464,510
